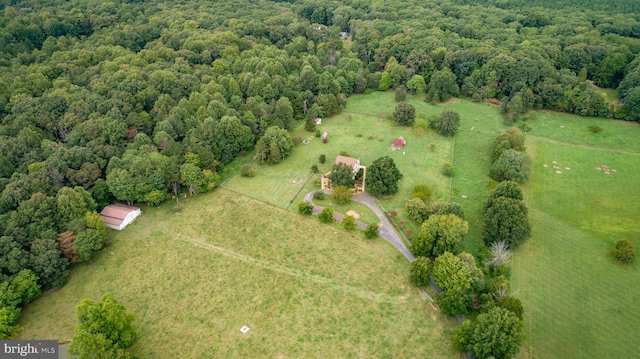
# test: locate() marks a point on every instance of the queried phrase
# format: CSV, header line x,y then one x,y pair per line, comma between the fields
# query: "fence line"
x,y
300,190
453,150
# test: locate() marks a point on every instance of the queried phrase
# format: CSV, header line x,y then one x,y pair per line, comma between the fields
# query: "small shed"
x,y
398,143
325,137
318,121
118,216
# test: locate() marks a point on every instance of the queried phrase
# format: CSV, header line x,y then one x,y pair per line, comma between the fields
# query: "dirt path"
x,y
294,272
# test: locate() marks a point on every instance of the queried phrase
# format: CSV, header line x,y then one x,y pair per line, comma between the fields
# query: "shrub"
x,y
422,191
513,304
349,223
446,208
394,213
247,171
297,140
322,158
420,271
326,215
314,168
318,133
371,231
420,125
344,153
342,194
447,169
416,210
595,129
305,208
624,251
319,195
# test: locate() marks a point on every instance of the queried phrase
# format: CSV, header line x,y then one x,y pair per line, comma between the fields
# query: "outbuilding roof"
x,y
114,214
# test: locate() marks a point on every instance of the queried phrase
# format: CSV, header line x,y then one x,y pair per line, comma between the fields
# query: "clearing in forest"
x,y
194,277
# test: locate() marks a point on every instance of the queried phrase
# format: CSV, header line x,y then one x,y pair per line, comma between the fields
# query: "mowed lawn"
x,y
579,303
194,277
363,132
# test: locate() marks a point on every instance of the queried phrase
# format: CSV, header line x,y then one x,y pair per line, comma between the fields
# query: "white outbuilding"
x,y
118,216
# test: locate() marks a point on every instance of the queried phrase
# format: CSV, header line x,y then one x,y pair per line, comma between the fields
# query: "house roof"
x,y
115,213
349,161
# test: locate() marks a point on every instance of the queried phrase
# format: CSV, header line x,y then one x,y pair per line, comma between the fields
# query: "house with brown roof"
x,y
355,165
118,216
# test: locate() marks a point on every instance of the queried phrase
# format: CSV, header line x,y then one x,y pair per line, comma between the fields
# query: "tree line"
x,y
139,101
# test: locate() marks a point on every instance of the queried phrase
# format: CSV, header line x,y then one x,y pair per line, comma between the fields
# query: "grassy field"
x,y
579,303
194,277
363,132
199,275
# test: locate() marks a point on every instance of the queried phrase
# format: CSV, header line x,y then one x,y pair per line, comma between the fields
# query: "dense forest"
x,y
141,100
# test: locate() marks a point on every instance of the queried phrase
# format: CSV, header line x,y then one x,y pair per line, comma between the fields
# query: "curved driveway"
x,y
387,231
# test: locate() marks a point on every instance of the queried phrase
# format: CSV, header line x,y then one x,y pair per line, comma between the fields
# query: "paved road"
x,y
386,231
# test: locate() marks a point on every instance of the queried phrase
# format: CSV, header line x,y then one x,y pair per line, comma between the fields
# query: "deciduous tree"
x,y
104,329
342,194
511,166
495,334
274,146
383,177
342,176
405,114
440,234
506,220
447,123
420,271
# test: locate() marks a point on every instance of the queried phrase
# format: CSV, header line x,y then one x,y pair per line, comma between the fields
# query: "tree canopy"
x,y
383,177
104,329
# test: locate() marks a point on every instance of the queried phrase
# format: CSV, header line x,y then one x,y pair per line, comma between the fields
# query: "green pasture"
x,y
579,303
573,129
363,131
194,277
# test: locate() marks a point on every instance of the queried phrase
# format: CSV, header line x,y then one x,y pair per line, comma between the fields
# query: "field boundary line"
x,y
617,150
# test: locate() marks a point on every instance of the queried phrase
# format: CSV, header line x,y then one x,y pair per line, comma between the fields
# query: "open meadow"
x,y
362,131
194,277
580,303
238,257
